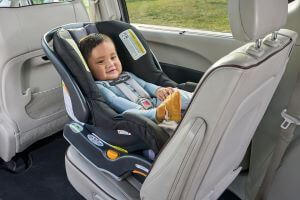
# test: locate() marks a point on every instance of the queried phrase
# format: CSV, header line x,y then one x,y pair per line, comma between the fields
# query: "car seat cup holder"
x,y
115,160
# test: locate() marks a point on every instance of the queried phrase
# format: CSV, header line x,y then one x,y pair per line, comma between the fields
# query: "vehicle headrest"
x,y
254,19
78,33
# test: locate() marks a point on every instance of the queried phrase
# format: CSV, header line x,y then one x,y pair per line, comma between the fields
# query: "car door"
x,y
183,40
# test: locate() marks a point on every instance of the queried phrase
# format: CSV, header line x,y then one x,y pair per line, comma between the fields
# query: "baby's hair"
x,y
88,43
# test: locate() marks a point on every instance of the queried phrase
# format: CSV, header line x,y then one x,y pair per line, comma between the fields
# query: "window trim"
x,y
30,3
124,11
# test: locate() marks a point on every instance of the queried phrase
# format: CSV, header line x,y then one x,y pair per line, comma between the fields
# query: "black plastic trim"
x,y
124,11
181,74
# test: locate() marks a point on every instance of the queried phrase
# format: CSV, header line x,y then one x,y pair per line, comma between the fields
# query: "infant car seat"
x,y
113,135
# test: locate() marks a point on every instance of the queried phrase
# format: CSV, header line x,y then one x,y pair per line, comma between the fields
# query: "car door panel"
x,y
191,49
181,74
31,97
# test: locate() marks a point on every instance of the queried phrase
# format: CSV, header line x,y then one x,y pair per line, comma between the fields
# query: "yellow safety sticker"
x,y
133,44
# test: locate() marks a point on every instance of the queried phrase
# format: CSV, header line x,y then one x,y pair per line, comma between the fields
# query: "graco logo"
x,y
95,139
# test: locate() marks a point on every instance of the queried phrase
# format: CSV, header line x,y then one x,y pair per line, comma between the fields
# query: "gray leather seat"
x,y
203,156
286,181
31,100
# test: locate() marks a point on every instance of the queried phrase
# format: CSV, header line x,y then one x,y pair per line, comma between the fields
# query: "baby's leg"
x,y
170,108
151,113
185,98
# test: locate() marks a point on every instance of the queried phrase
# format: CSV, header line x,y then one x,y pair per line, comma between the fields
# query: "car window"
x,y
196,14
86,5
20,3
5,3
47,1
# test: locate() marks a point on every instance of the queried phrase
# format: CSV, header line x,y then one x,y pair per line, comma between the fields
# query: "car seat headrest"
x,y
78,33
69,52
253,19
91,28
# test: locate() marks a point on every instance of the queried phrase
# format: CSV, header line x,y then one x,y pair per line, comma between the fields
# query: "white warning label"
x,y
133,44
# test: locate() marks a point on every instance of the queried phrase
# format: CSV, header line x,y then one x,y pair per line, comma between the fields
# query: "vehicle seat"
x,y
31,105
203,156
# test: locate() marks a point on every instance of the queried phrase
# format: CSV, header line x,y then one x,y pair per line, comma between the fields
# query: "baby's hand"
x,y
162,93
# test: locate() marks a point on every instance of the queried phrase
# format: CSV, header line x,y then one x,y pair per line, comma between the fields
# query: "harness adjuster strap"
x,y
288,120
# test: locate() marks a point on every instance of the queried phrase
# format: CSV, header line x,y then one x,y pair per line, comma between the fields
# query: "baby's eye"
x,y
100,62
113,57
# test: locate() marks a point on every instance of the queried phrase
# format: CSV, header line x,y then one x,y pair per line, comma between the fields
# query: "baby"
x,y
155,102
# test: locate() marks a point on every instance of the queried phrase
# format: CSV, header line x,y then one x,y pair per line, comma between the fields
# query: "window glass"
x,y
86,5
5,3
20,3
47,1
195,14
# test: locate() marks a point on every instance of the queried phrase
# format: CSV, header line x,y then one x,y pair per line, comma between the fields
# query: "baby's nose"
x,y
110,63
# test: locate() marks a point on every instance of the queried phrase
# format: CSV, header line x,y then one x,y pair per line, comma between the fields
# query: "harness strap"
x,y
128,92
133,91
140,90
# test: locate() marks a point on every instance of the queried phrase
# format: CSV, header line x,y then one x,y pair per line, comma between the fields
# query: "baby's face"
x,y
104,62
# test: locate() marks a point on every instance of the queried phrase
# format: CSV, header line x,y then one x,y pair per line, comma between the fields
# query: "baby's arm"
x,y
155,91
117,103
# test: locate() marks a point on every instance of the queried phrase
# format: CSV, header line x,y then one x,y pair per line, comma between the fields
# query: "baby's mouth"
x,y
111,71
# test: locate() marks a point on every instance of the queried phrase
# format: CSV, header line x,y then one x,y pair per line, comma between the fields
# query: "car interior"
x,y
237,139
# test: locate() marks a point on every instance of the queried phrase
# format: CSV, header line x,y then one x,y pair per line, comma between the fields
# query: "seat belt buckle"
x,y
288,120
146,103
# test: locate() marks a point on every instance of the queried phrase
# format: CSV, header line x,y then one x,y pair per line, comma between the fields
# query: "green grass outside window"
x,y
196,14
